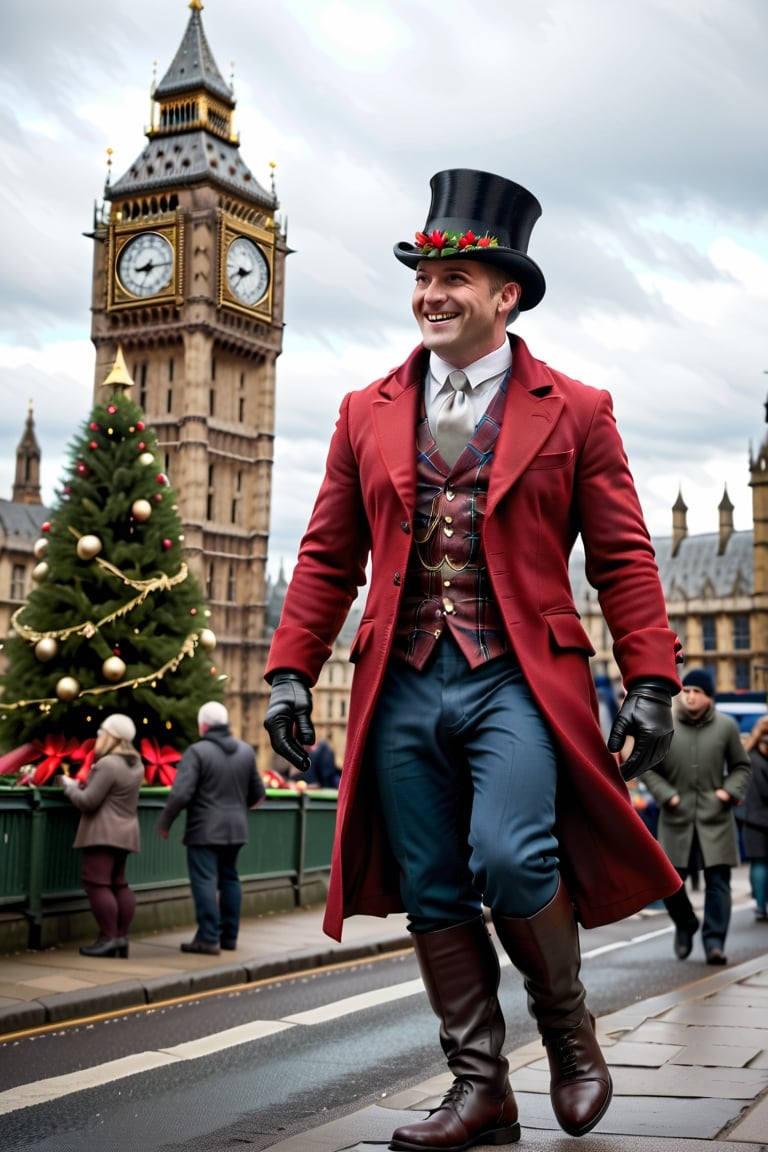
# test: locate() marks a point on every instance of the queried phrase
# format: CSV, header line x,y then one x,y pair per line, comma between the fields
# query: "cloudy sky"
x,y
640,126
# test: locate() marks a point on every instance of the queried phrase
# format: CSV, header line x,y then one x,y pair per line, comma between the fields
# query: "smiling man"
x,y
475,770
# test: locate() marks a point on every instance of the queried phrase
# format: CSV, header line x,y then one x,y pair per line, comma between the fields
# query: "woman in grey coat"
x,y
108,830
697,785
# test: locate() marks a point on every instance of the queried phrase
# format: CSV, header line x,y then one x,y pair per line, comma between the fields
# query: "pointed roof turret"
x,y
679,522
26,488
192,138
725,509
193,65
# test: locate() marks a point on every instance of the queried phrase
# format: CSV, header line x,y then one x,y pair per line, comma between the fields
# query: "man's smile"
x,y
440,317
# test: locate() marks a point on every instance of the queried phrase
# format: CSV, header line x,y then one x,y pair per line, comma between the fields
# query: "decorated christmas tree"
x,y
115,622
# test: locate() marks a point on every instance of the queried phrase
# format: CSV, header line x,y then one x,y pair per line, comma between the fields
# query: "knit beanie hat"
x,y
700,678
119,726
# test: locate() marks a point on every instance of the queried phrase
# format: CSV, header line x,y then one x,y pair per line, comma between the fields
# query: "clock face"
x,y
145,265
247,270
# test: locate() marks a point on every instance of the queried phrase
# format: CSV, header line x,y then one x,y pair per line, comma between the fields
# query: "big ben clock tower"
x,y
188,279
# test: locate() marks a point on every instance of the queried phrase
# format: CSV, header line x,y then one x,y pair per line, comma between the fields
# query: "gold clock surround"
x,y
236,232
123,239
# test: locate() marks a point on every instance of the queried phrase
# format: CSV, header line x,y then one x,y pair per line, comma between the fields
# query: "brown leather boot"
x,y
545,949
460,970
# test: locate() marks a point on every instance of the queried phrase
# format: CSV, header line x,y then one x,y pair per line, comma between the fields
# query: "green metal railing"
x,y
289,851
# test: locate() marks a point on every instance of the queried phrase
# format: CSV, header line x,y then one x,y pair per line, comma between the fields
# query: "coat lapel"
x,y
531,412
393,417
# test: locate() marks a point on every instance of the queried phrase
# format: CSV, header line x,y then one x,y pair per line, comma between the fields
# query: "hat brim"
x,y
520,267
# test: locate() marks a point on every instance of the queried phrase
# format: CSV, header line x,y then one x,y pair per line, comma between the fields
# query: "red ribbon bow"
x,y
160,762
83,754
52,751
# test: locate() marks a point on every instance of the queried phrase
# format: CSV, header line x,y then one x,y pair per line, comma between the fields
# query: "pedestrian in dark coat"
x,y
108,831
217,782
752,814
697,786
475,769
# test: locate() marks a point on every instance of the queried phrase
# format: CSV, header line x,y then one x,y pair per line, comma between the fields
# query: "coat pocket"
x,y
551,460
566,632
361,641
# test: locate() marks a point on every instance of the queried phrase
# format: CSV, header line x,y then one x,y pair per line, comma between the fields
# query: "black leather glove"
x,y
288,716
646,714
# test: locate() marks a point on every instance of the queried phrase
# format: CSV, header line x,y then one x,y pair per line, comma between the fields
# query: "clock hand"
x,y
150,266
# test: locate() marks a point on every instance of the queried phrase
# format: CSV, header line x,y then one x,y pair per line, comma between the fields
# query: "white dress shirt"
x,y
484,376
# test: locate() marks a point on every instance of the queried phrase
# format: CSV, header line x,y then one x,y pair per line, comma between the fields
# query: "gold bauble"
x,y
67,688
207,639
88,546
113,669
146,458
46,649
40,548
142,510
40,571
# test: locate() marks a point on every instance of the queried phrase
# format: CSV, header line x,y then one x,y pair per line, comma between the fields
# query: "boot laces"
x,y
457,1094
566,1053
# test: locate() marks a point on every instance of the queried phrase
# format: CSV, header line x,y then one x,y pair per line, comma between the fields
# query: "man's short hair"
x,y
212,713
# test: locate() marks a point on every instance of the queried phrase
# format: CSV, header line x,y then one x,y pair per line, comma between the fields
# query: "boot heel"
x,y
121,947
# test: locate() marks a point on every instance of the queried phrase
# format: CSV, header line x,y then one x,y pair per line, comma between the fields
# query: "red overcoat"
x,y
559,470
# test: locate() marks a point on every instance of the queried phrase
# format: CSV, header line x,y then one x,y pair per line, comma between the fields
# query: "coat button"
x,y
396,578
405,526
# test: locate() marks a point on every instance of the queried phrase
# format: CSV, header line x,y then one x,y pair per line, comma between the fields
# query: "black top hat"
x,y
481,217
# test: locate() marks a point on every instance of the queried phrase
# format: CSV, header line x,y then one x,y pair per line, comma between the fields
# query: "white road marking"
x,y
43,1091
357,1003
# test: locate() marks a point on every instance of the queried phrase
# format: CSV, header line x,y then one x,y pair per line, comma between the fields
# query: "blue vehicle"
x,y
745,707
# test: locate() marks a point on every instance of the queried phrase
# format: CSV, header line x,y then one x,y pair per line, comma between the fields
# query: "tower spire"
x,y
26,488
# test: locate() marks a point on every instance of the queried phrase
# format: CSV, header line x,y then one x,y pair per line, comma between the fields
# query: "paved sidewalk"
x,y
689,1068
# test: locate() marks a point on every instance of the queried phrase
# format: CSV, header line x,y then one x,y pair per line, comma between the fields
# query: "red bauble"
x,y
167,543
81,468
142,445
161,478
93,445
93,426
140,425
46,527
112,409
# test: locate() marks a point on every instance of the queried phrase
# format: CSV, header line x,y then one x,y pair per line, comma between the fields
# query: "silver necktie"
x,y
455,422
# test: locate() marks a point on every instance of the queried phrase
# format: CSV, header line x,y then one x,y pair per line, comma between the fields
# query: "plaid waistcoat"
x,y
446,584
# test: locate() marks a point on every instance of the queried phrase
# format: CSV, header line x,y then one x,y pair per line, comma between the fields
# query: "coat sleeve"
x,y
658,785
619,558
738,762
331,564
97,786
182,790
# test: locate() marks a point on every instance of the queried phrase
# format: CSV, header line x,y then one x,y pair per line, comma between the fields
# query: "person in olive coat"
x,y
217,782
697,786
108,831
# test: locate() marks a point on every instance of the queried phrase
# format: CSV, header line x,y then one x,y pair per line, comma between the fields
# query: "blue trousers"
x,y
216,891
717,904
466,776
